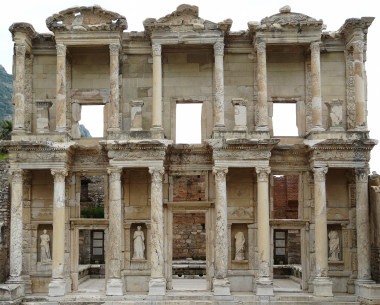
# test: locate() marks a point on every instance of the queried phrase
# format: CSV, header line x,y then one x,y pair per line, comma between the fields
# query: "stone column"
x,y
316,96
16,249
240,109
19,87
113,122
362,226
57,286
157,283
262,99
220,282
136,115
361,112
264,281
219,85
60,105
115,285
157,88
322,283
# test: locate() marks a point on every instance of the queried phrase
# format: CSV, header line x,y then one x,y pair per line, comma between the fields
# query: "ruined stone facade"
x,y
238,77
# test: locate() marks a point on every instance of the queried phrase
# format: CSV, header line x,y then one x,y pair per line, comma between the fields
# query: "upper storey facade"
x,y
90,59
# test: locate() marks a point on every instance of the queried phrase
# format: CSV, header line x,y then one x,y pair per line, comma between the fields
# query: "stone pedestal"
x,y
43,118
219,86
240,110
262,94
361,111
157,88
19,89
220,283
136,115
57,286
316,95
322,283
264,284
335,115
113,120
115,285
60,100
157,283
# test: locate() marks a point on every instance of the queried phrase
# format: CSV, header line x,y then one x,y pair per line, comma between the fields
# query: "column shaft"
x,y
16,250
362,225
157,88
219,85
262,98
316,96
359,85
157,284
263,227
113,124
61,89
57,286
19,87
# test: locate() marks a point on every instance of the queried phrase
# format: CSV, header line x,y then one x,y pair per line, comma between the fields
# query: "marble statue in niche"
x,y
239,246
334,246
45,248
138,244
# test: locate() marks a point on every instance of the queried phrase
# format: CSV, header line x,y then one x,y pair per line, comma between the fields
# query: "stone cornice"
x,y
23,27
83,19
43,146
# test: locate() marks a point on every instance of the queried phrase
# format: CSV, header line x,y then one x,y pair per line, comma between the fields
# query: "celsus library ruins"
x,y
136,216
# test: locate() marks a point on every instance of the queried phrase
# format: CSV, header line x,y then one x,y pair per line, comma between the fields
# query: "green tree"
x,y
5,133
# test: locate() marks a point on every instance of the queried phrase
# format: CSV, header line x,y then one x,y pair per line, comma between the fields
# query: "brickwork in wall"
x,y
4,220
189,188
285,197
189,236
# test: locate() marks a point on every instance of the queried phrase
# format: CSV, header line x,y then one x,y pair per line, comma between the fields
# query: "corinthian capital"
x,y
263,173
315,47
61,49
114,49
157,173
20,49
114,173
320,174
358,46
362,175
220,172
16,175
156,49
261,48
59,174
219,48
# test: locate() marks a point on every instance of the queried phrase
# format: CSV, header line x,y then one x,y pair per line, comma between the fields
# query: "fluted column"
x,y
60,110
264,282
219,85
113,124
16,249
57,286
363,225
157,88
322,283
316,95
361,111
221,283
115,283
262,98
157,283
19,87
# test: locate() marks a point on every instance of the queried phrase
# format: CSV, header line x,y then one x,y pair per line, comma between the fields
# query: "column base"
x,y
221,286
317,129
262,128
362,287
57,288
11,292
61,129
157,286
322,287
115,287
264,286
219,127
157,132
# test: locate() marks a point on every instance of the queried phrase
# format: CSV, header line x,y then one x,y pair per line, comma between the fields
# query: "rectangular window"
x,y
280,255
91,124
188,123
285,119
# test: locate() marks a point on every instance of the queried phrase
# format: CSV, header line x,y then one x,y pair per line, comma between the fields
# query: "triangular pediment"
x,y
86,18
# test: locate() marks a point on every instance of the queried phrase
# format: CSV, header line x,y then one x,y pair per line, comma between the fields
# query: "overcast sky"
x,y
333,13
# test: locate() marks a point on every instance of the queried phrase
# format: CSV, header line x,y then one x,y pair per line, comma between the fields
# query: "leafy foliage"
x,y
5,134
5,94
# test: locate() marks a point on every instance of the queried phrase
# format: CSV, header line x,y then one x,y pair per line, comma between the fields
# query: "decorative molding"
x,y
156,49
59,174
220,173
219,48
315,47
20,49
361,175
320,174
261,48
114,49
16,175
263,173
157,173
114,173
61,49
358,46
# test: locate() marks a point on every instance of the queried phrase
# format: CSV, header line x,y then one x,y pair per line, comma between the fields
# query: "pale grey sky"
x,y
333,13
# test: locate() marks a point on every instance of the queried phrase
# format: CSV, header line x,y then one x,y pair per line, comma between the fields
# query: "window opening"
x,y
188,123
91,123
92,197
285,119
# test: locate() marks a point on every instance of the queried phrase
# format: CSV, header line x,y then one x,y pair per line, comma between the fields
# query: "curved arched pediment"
x,y
86,18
